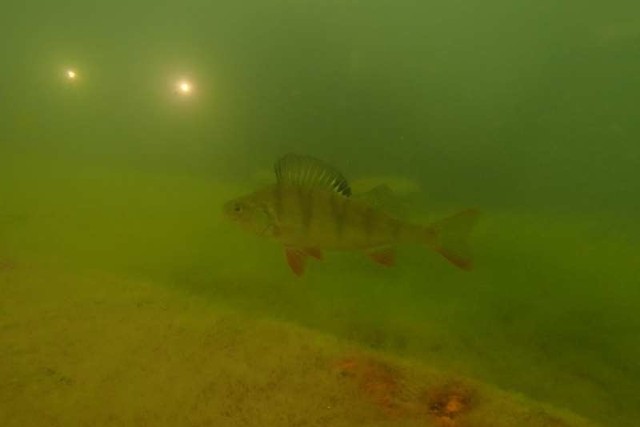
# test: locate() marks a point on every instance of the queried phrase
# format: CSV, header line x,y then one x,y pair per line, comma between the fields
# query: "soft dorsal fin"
x,y
309,172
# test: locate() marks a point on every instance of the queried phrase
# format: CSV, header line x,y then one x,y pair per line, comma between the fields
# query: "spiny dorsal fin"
x,y
306,171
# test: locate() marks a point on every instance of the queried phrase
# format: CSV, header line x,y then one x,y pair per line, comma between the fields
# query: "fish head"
x,y
251,214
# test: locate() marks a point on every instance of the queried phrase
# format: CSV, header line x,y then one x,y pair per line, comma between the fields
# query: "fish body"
x,y
315,217
309,210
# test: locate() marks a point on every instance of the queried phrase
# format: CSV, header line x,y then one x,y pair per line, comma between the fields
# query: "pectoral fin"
x,y
296,259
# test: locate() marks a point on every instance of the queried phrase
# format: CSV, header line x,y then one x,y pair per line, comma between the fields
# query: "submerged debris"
x,y
387,389
376,380
448,401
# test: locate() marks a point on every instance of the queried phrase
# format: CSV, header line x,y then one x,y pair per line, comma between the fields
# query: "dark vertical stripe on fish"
x,y
306,207
396,226
338,209
277,196
367,221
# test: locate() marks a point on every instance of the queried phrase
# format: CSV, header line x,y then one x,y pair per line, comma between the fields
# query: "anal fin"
x,y
314,252
297,258
386,257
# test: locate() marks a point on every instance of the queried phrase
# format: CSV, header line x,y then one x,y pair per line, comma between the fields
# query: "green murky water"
x,y
526,110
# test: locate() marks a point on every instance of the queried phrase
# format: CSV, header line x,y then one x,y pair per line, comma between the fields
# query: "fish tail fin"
x,y
450,237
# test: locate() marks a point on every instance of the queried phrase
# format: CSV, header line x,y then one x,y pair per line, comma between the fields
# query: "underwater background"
x,y
118,172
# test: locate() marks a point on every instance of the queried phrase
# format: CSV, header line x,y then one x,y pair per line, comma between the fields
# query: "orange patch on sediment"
x,y
447,402
384,386
377,381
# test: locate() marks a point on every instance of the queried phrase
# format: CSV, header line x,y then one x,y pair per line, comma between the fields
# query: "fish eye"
x,y
237,208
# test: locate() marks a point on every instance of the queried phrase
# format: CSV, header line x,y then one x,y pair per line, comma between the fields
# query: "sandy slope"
x,y
93,350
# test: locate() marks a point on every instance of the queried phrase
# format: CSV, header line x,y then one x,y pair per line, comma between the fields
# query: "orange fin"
x,y
296,259
386,257
314,252
450,237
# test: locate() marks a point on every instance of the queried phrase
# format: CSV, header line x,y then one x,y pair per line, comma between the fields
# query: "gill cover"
x,y
251,215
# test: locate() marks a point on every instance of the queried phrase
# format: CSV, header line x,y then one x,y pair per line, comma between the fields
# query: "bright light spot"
x,y
184,87
71,74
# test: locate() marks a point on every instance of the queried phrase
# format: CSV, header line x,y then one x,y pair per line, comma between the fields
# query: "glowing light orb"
x,y
71,74
184,87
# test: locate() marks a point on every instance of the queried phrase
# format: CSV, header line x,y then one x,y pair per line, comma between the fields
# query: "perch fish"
x,y
310,210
